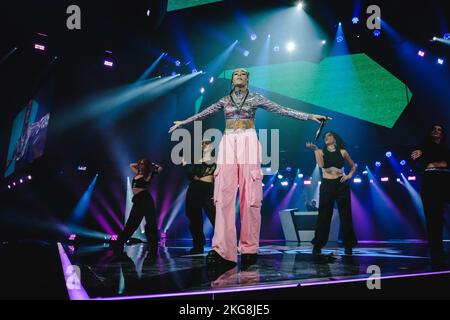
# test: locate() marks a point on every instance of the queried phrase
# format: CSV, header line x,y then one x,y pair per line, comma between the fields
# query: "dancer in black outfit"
x,y
143,204
435,154
334,187
200,195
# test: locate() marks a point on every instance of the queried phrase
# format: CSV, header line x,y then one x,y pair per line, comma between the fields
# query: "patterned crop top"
x,y
242,106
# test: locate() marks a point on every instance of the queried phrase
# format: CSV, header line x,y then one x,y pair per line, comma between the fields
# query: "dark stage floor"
x,y
172,273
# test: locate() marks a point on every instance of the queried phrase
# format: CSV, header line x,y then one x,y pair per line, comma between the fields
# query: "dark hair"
x,y
340,144
443,141
146,167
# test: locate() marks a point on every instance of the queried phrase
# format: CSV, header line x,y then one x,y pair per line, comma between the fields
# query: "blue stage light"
x,y
288,169
440,61
377,33
276,48
339,39
280,176
388,154
253,37
355,20
403,162
246,53
446,36
378,164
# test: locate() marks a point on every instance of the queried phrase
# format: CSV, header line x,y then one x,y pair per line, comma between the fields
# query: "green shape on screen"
x,y
173,5
354,85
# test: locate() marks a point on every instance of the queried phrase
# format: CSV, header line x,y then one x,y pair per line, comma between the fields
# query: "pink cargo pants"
x,y
238,166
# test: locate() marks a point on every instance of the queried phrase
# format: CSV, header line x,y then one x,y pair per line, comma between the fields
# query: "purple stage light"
x,y
384,179
357,180
412,178
9,187
39,47
29,177
108,63
307,182
421,53
371,180
72,237
284,183
114,237
14,184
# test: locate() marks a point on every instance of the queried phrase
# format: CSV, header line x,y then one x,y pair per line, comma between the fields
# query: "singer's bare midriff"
x,y
239,124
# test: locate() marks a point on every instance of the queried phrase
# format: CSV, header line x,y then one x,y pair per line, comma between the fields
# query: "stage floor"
x,y
172,272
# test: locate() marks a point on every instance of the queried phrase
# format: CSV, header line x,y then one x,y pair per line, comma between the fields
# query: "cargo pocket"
x,y
216,184
255,188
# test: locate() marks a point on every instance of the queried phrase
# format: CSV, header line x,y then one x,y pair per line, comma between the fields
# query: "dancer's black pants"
x,y
435,194
199,196
143,206
332,190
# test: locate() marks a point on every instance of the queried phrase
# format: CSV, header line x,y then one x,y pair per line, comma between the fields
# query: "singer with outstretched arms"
x,y
239,165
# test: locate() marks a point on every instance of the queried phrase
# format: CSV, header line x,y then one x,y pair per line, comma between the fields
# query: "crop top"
x,y
332,159
200,170
243,105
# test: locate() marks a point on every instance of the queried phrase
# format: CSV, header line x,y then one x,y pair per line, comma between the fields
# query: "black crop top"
x,y
141,182
433,152
332,159
200,170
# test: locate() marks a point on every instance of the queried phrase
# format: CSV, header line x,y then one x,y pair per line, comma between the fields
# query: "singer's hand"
x,y
416,154
176,125
311,146
319,118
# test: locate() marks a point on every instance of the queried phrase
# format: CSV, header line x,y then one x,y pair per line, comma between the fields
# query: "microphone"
x,y
319,131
